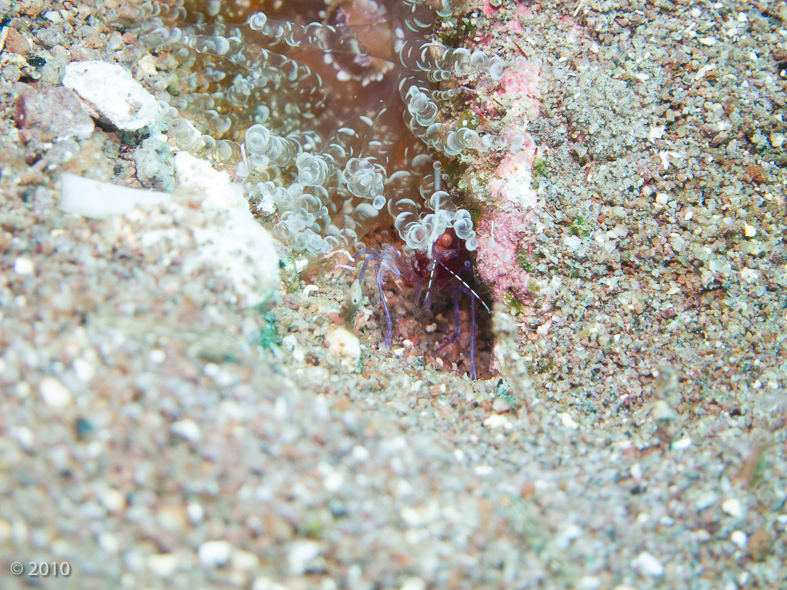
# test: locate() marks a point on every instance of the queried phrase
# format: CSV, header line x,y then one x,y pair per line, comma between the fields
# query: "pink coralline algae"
x,y
488,9
505,241
507,228
513,177
523,79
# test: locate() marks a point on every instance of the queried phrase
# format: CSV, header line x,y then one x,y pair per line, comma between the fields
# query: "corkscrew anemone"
x,y
331,113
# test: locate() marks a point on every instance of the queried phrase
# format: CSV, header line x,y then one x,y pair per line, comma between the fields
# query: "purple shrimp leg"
x,y
370,255
473,294
473,374
474,298
381,266
418,284
458,328
389,331
430,291
385,265
457,325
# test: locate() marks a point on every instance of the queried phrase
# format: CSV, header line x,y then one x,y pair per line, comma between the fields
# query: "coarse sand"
x,y
166,422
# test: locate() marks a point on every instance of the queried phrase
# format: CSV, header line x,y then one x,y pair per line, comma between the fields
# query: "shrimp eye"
x,y
445,241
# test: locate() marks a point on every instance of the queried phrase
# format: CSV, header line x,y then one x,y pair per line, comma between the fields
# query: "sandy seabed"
x,y
157,430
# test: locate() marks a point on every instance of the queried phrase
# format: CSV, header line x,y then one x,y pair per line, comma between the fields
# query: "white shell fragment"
x,y
114,94
99,200
228,239
231,242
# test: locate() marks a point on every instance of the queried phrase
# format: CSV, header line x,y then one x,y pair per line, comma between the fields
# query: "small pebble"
x,y
567,535
23,266
157,356
733,507
112,499
109,543
244,560
16,43
84,370
214,554
155,165
706,500
24,436
195,513
414,584
636,471
572,242
662,411
568,421
589,583
6,530
343,346
649,565
188,429
500,405
497,421
171,518
702,536
266,584
333,482
360,453
300,554
740,539
55,394
163,564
